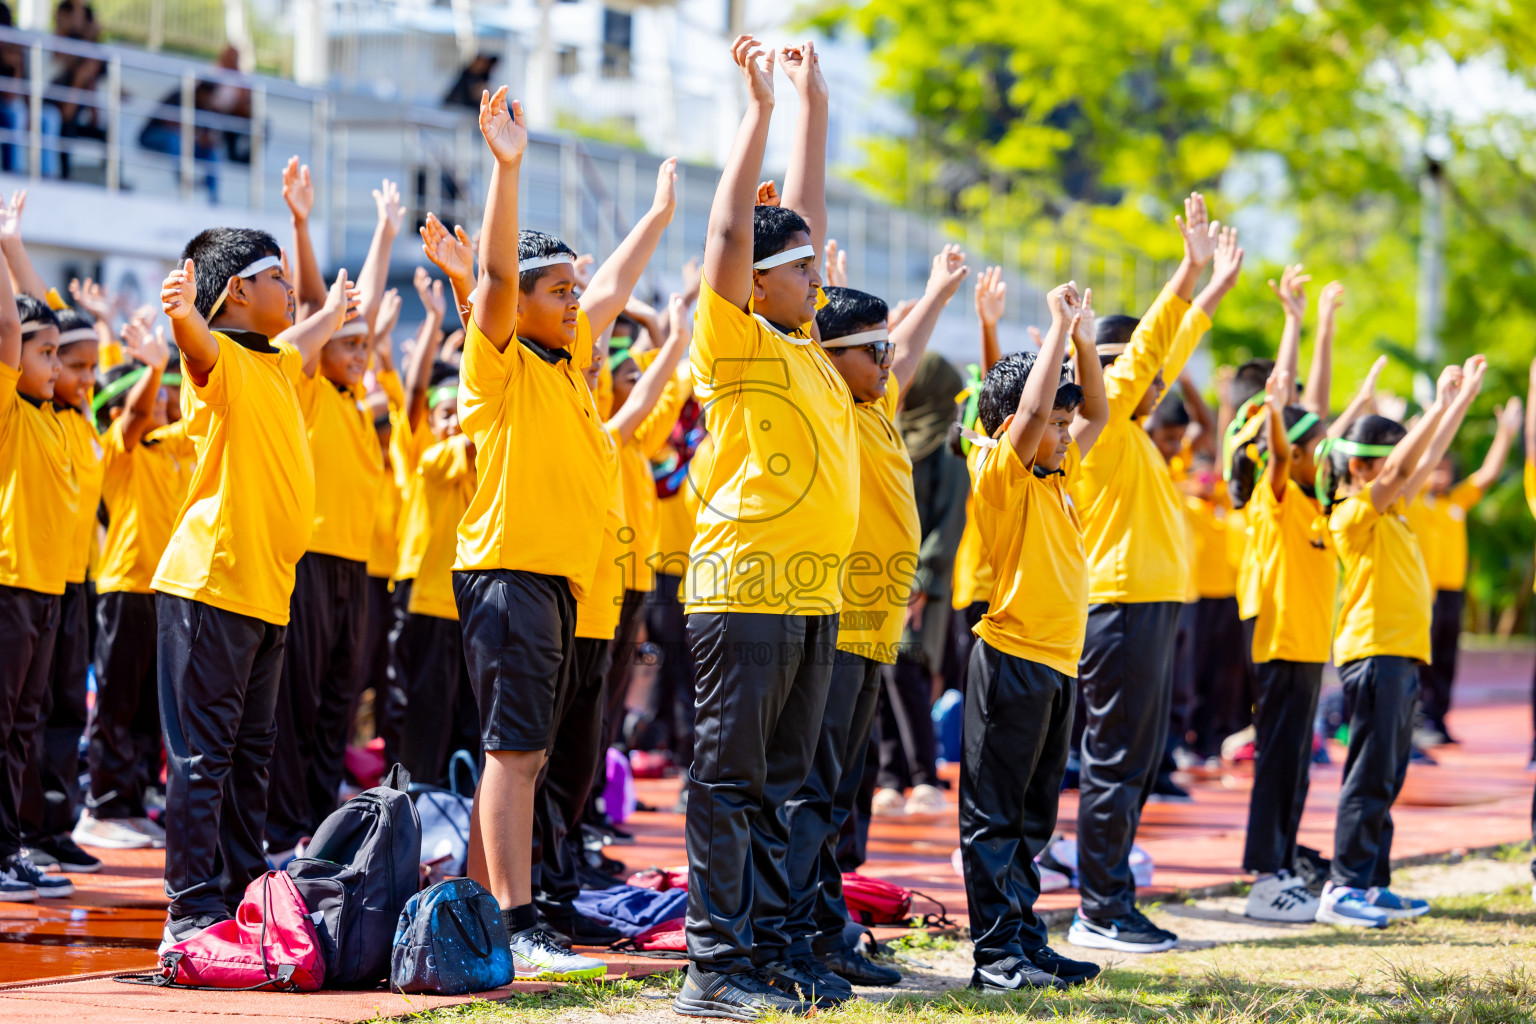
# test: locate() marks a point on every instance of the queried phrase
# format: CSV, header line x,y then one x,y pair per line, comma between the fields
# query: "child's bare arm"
x,y
299,194
453,254
911,336
1039,396
151,350
1320,374
419,369
1279,469
1510,416
611,285
495,305
1363,402
383,333
1401,467
1292,293
648,389
1450,422
25,279
199,348
10,325
805,179
310,334
991,303
371,279
728,245
1200,237
1093,414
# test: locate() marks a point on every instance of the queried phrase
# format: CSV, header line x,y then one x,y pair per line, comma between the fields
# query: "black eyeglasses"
x,y
880,351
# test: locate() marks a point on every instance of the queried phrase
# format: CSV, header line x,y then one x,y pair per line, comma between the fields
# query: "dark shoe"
x,y
798,985
1071,778
1421,756
857,969
64,852
14,888
584,931
179,929
1012,974
48,886
731,996
1071,972
1130,933
1166,791
823,980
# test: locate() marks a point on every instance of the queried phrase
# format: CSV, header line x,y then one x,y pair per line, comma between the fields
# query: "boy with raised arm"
x,y
224,582
522,565
877,365
325,655
1019,696
777,516
1138,563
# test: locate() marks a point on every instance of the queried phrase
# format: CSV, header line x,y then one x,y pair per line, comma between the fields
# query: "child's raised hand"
x,y
802,66
1224,376
1085,327
1449,384
10,215
1228,258
389,315
1331,299
91,297
1368,386
948,271
679,324
148,347
666,187
767,193
991,296
298,189
1199,231
1062,302
503,125
178,295
1277,387
834,265
1292,291
898,313
387,198
451,251
746,51
581,269
342,299
1510,415
1472,372
693,274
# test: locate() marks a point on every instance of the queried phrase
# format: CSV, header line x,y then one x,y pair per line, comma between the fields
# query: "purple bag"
x,y
619,793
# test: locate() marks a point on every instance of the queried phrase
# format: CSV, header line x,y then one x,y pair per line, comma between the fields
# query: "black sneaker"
x,y
1071,972
14,888
744,996
857,969
178,929
800,986
581,930
1166,791
48,886
1130,933
1012,974
823,980
63,851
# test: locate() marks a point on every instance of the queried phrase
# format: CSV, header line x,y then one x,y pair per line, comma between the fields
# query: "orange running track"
x,y
57,957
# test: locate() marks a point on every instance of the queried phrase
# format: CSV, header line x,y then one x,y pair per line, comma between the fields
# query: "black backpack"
x,y
360,868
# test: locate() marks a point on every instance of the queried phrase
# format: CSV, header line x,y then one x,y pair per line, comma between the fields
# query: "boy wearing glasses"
x,y
877,366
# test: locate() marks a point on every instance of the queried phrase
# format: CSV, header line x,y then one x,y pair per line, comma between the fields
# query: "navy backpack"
x,y
451,940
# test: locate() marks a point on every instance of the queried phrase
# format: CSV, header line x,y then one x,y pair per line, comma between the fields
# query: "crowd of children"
x,y
250,529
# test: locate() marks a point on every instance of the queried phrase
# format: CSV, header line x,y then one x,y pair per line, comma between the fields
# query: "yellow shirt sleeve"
x,y
1128,377
1192,327
484,376
725,342
10,376
1464,495
223,383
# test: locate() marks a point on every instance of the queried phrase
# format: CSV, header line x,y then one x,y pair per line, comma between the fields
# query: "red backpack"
x,y
270,942
876,901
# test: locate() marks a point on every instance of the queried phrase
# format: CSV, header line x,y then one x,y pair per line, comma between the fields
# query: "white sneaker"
x,y
926,799
152,829
109,833
888,803
1282,897
1344,905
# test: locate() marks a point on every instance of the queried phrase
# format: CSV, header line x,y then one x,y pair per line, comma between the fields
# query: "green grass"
x,y
1471,960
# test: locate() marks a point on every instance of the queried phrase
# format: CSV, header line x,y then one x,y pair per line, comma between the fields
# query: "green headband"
x,y
1353,449
171,380
1233,437
972,396
442,391
616,358
118,387
1296,433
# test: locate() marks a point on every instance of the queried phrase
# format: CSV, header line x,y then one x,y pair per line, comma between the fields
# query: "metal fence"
x,y
145,124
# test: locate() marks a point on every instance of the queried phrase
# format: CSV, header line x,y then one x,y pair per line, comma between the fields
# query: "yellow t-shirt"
x,y
349,467
1297,576
1440,524
85,453
1243,558
1210,557
972,577
543,458
1132,514
1039,608
1386,599
251,503
780,504
415,526
447,486
384,542
877,577
1530,490
641,514
143,490
39,496
597,614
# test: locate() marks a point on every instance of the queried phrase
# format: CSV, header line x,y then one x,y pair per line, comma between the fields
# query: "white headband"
x,y
351,327
78,334
265,263
861,338
31,327
787,256
540,262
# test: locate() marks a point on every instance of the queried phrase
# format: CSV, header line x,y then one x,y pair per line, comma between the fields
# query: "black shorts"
x,y
519,631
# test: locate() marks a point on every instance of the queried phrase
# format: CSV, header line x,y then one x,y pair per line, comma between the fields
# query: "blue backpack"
x,y
445,815
451,940
948,717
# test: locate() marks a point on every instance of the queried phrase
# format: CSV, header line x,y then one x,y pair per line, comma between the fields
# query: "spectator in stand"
x,y
472,81
163,132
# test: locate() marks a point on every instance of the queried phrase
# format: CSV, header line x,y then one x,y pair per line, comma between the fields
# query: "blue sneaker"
x,y
1344,905
1393,905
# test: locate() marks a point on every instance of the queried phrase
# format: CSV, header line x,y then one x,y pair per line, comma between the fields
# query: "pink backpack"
x,y
270,941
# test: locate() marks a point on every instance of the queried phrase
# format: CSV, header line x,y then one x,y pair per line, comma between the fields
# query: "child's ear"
x,y
1004,428
758,294
236,291
1357,467
113,413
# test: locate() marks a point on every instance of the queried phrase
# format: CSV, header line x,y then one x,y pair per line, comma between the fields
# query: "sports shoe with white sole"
x,y
179,929
1281,897
926,799
14,888
110,833
744,996
1131,932
1347,906
1013,974
151,828
888,803
49,887
537,957
1395,906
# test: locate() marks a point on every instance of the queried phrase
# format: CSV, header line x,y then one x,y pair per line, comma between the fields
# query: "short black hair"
x,y
629,323
1249,380
849,311
1004,386
1243,474
1170,412
772,227
1365,430
105,379
69,319
218,254
441,371
530,246
34,311
1115,329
